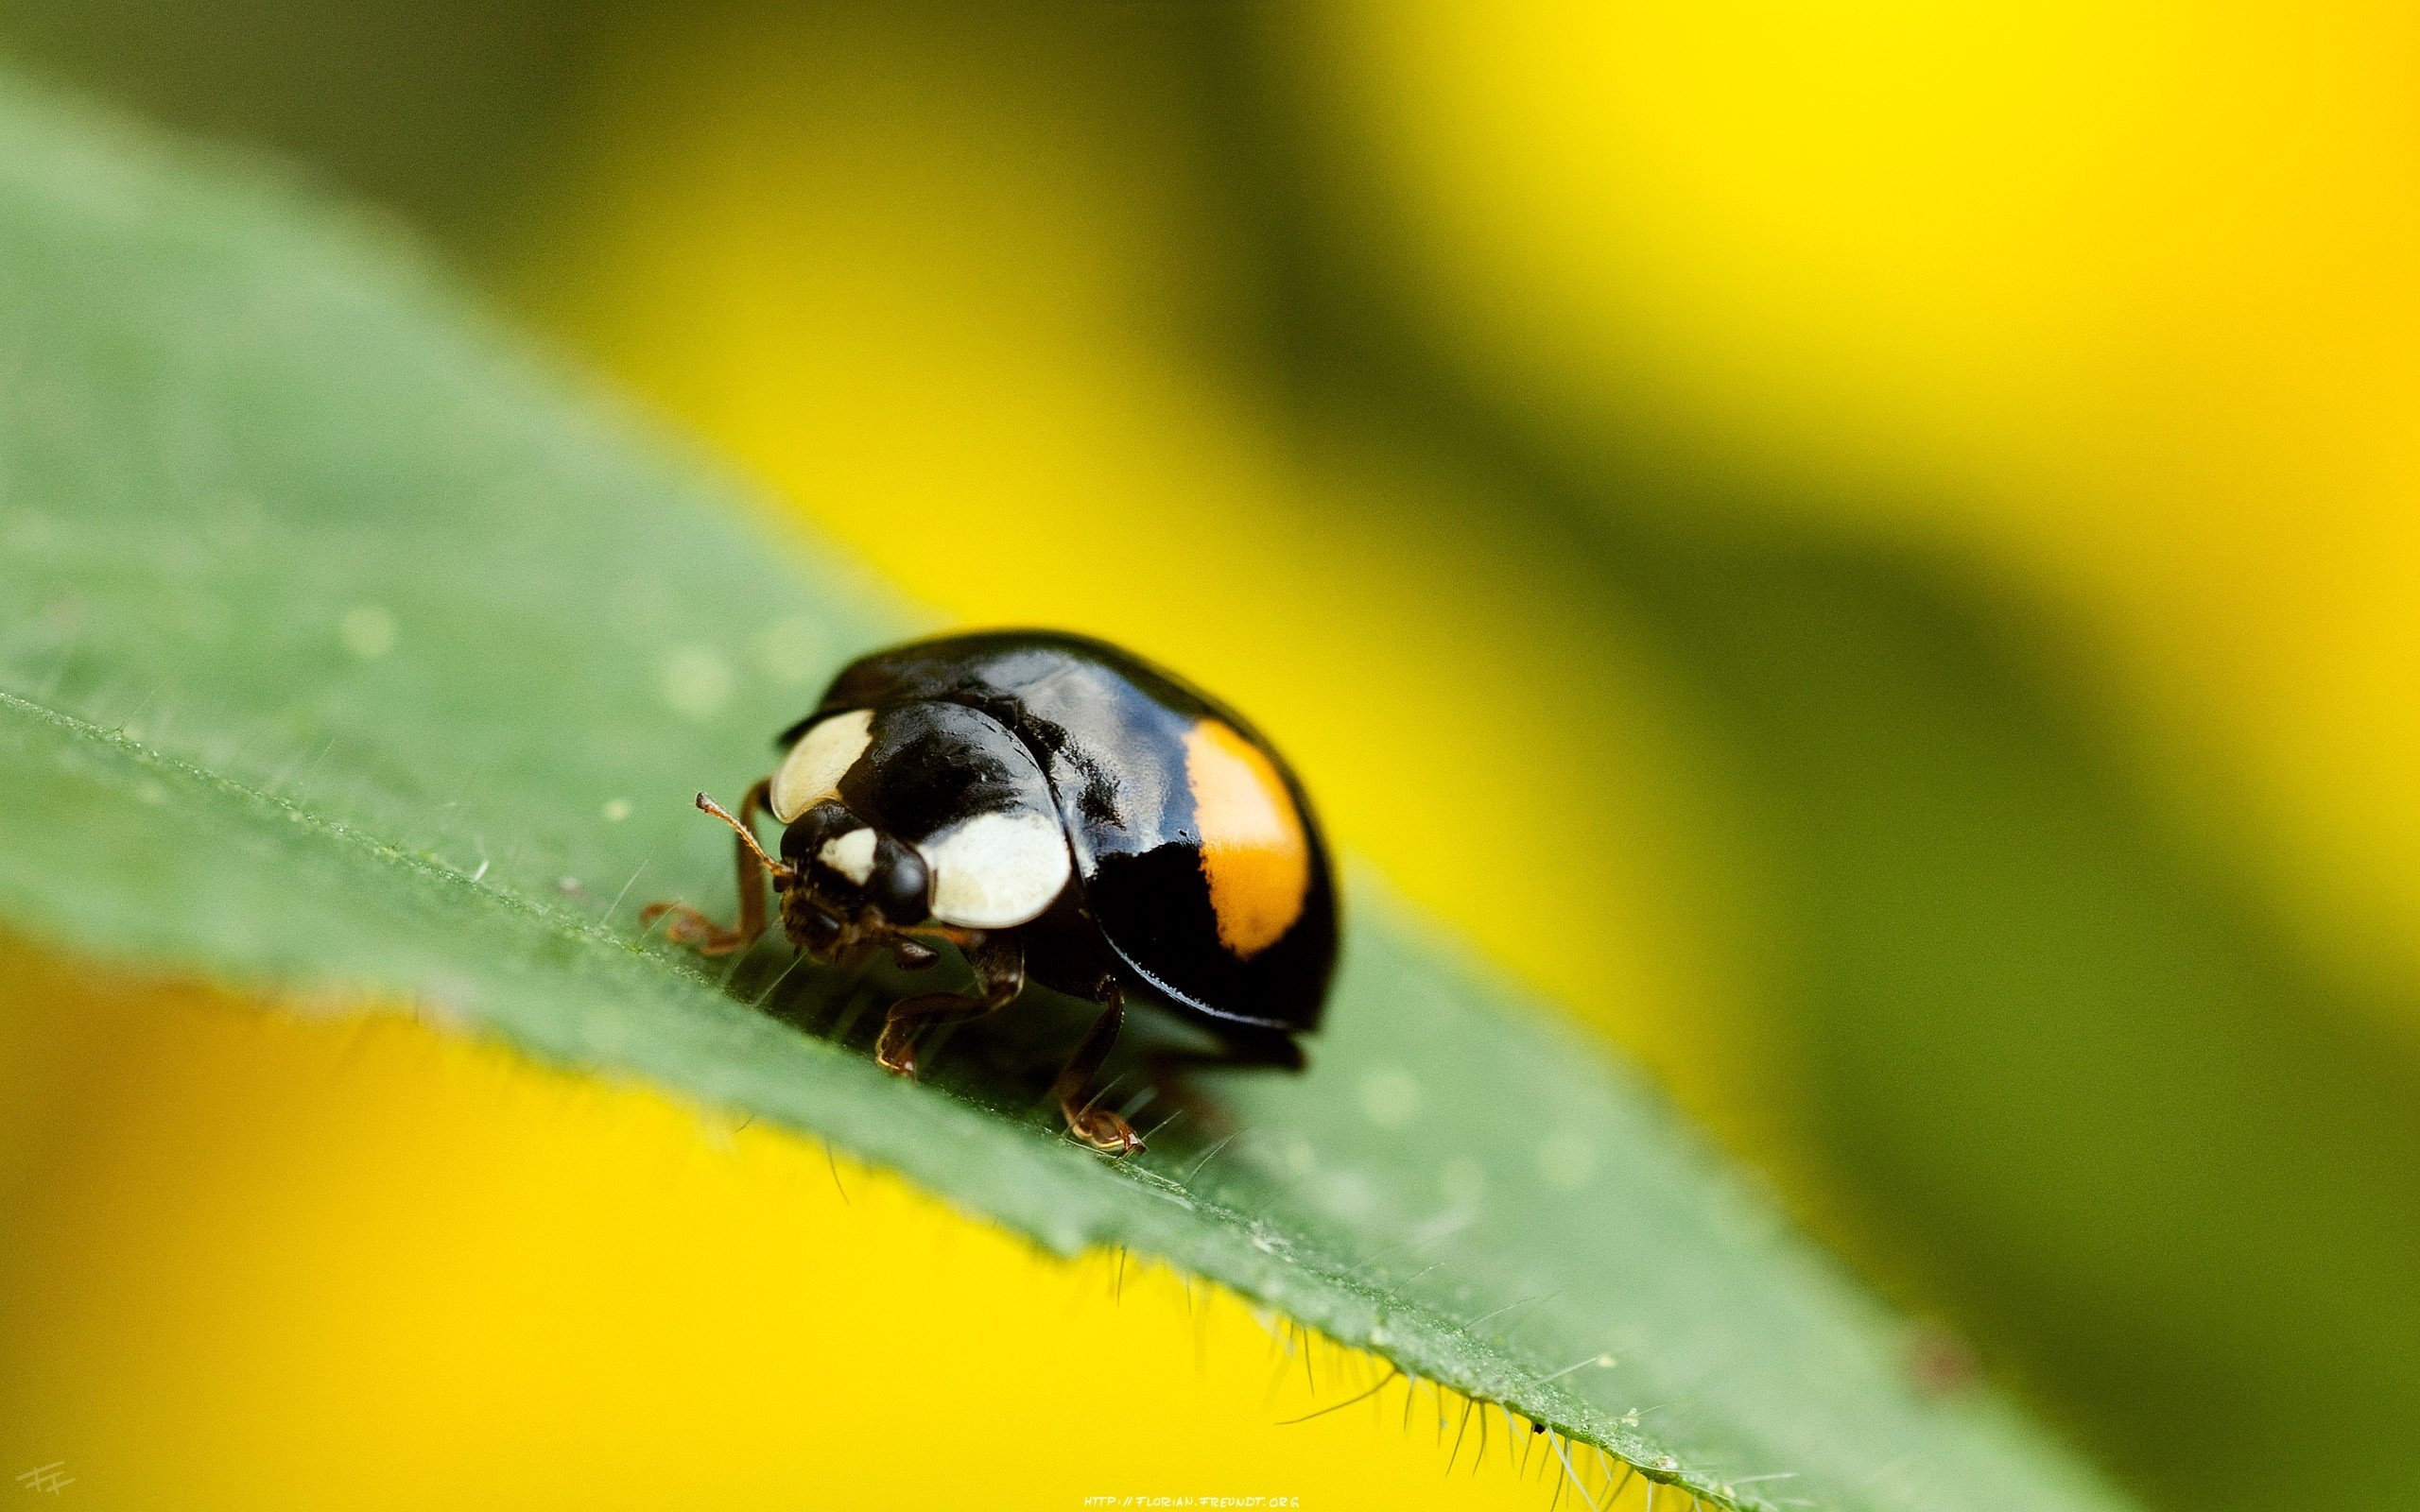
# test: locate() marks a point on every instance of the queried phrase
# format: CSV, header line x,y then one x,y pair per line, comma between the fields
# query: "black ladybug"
x,y
1066,814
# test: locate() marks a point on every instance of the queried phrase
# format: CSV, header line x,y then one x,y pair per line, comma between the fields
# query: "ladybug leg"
x,y
690,926
1096,1126
999,977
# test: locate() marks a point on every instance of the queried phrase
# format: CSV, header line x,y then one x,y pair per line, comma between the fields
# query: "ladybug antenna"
x,y
779,869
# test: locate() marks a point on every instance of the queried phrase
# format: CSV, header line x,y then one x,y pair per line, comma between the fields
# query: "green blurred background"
x,y
1869,552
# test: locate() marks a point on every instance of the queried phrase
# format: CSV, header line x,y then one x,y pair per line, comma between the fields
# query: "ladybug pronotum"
x,y
1066,814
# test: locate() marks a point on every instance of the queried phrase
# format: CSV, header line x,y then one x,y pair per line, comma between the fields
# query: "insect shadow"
x,y
1005,1062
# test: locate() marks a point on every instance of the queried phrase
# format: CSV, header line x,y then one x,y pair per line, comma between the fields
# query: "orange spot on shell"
x,y
1254,854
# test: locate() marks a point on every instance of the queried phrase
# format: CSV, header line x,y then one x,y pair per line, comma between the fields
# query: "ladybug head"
x,y
924,817
849,881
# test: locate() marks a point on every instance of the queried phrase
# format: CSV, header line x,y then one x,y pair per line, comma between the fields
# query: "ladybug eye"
x,y
895,878
901,885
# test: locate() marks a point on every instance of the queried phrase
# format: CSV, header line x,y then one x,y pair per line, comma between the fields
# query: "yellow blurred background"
x,y
416,1272
2118,300
1865,551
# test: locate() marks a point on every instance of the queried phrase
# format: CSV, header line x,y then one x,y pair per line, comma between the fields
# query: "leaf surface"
x,y
350,654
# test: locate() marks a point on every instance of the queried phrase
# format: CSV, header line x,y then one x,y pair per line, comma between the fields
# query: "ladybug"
x,y
1066,814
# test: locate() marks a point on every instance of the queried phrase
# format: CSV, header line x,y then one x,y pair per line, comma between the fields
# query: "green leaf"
x,y
347,654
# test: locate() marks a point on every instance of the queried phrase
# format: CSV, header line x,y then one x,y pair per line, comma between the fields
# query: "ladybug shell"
x,y
1198,854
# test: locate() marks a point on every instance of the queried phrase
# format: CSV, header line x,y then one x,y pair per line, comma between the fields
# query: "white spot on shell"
x,y
1566,1162
997,870
695,682
850,854
368,631
813,769
1390,1096
616,810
